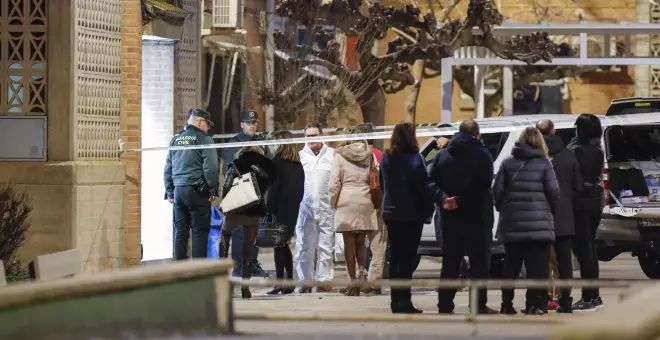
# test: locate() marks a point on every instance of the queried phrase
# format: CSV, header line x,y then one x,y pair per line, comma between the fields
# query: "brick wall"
x,y
131,63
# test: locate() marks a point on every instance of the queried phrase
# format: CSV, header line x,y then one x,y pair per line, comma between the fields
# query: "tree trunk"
x,y
373,110
413,95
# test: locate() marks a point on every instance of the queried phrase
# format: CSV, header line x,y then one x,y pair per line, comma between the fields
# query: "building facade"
x,y
79,64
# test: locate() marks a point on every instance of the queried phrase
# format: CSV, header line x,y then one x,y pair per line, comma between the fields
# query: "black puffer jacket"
x,y
250,161
591,160
570,184
284,195
526,194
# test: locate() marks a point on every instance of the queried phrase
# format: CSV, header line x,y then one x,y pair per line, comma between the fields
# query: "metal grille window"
x,y
98,80
185,90
654,91
23,38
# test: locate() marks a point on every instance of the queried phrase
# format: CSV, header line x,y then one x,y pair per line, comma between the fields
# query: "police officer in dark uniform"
x,y
191,183
249,125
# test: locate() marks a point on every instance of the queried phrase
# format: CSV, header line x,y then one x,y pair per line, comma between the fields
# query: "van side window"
x,y
494,142
566,135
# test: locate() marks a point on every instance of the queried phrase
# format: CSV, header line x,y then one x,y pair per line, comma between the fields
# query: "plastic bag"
x,y
213,249
213,246
216,217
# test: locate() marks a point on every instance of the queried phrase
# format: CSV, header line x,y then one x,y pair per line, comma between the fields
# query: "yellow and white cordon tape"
x,y
642,118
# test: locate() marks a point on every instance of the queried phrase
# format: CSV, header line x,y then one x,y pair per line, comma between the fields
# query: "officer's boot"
x,y
247,273
224,245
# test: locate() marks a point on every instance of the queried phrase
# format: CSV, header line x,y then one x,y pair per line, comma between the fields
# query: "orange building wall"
x,y
591,92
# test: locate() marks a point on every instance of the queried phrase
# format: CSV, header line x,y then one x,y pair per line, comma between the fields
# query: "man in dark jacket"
x,y
569,178
191,184
589,204
249,126
464,173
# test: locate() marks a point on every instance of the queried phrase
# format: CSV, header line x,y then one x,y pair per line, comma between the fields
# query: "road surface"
x,y
623,267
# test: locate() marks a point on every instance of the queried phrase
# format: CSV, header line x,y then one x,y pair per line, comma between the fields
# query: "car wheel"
x,y
649,261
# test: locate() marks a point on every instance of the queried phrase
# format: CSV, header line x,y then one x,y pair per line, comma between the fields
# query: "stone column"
x,y
93,100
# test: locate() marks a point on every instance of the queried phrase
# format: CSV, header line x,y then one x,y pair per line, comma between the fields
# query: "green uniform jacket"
x,y
198,167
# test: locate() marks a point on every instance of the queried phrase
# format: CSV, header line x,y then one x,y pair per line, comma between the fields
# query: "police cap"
x,y
201,114
249,116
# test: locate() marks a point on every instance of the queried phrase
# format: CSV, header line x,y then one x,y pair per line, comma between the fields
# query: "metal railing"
x,y
473,286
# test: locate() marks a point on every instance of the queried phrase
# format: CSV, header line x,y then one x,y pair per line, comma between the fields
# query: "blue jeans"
x,y
237,251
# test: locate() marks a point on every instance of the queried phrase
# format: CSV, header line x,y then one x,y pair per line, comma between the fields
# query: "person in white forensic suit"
x,y
315,231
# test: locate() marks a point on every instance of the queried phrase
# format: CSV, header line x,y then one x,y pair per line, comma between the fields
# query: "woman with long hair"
x,y
248,159
407,203
355,213
283,202
526,192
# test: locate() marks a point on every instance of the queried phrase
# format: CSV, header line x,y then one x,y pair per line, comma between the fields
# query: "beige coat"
x,y
349,188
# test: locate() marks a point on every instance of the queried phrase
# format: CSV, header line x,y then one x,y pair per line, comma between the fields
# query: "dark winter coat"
x,y
284,195
526,193
591,160
229,154
251,161
404,183
465,170
569,178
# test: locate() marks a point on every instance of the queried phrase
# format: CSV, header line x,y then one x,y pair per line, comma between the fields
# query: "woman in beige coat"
x,y
350,196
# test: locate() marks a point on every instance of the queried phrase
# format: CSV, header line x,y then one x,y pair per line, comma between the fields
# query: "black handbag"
x,y
271,234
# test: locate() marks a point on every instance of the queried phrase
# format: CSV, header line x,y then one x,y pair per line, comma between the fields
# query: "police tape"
x,y
486,127
432,132
300,132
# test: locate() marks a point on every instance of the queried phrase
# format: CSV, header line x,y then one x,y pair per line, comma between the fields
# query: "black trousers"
x,y
403,239
283,262
586,224
536,257
473,241
192,211
563,250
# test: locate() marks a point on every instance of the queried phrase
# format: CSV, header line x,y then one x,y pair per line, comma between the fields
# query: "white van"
x,y
627,225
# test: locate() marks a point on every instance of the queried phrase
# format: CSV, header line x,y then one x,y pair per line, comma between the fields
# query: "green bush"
x,y
16,272
15,209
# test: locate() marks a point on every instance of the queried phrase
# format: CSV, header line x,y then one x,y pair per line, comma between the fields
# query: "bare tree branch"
x,y
423,40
